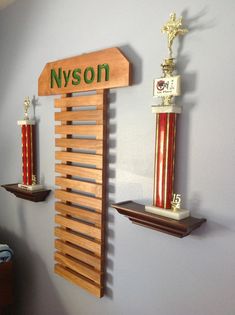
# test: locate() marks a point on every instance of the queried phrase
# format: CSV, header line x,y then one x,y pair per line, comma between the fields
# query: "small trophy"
x,y
29,178
165,203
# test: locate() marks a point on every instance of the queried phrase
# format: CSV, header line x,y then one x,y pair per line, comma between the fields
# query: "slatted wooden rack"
x,y
81,150
81,209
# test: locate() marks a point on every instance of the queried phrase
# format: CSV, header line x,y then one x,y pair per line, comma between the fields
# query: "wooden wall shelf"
x,y
34,196
137,214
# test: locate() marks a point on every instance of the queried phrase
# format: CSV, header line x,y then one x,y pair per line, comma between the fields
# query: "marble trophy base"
x,y
180,214
31,187
159,109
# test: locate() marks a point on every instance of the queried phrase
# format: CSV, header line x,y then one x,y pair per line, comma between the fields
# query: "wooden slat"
x,y
86,215
78,267
84,201
79,101
82,172
81,130
80,230
78,253
86,144
82,115
78,280
82,241
90,159
77,226
95,189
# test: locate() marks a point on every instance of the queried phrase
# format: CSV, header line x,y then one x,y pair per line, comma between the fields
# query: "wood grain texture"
x,y
83,172
78,267
81,130
81,115
77,226
77,279
89,202
86,243
80,259
81,219
95,189
78,253
82,144
120,74
82,214
83,158
81,101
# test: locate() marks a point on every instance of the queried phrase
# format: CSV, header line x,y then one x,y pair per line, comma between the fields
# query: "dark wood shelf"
x,y
137,214
6,285
35,196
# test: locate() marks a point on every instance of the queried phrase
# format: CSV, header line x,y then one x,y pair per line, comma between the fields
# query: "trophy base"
x,y
169,213
158,109
31,187
26,122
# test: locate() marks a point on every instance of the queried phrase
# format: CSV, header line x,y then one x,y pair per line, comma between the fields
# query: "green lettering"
x,y
66,77
92,75
56,77
76,76
99,68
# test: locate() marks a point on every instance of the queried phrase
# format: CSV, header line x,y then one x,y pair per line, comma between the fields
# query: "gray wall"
x,y
147,272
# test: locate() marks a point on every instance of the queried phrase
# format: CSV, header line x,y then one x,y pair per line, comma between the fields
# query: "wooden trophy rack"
x,y
81,160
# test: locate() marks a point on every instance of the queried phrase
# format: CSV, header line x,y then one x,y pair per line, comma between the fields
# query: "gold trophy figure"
x,y
27,104
173,28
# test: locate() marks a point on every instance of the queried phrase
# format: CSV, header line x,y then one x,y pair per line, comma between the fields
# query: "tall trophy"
x,y
165,202
28,135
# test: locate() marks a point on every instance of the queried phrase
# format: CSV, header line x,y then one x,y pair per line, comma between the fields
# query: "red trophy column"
x,y
164,159
165,202
24,156
28,151
29,180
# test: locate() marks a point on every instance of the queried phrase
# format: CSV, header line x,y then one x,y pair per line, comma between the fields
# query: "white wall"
x,y
147,272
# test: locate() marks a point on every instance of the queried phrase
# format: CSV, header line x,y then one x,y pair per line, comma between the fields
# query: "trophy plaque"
x,y
165,202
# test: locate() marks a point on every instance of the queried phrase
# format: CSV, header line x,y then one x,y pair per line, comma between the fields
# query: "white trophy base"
x,y
169,213
157,109
31,187
26,122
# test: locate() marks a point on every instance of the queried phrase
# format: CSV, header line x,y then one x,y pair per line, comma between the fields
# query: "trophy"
x,y
165,202
28,134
